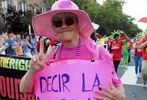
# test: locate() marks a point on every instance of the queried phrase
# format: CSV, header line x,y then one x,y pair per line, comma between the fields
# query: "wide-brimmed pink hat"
x,y
42,23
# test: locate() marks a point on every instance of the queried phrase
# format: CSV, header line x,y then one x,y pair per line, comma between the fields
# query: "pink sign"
x,y
72,80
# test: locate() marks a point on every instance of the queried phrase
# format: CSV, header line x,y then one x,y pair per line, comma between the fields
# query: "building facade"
x,y
24,5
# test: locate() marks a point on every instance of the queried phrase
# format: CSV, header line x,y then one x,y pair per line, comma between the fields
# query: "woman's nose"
x,y
64,25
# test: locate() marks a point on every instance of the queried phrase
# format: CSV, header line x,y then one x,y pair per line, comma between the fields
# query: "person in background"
x,y
94,37
38,43
137,56
3,43
143,46
34,45
116,48
73,28
130,45
109,43
41,38
27,46
19,44
10,50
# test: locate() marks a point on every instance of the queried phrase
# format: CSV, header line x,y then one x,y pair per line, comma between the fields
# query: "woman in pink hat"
x,y
71,26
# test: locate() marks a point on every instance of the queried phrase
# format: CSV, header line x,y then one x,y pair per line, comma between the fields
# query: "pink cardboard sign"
x,y
72,80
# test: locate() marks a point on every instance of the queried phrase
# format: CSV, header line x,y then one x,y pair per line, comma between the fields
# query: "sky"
x,y
136,9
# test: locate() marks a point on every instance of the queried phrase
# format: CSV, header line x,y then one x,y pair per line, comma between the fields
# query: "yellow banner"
x,y
14,63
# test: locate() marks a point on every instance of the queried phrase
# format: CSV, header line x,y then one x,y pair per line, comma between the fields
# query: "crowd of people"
x,y
27,45
20,44
137,49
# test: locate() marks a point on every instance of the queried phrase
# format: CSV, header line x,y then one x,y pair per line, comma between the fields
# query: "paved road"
x,y
133,88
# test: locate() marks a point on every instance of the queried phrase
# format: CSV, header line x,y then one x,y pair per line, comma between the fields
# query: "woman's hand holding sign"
x,y
107,94
37,63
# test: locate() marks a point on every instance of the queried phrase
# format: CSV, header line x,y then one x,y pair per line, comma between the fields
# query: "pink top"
x,y
74,53
84,54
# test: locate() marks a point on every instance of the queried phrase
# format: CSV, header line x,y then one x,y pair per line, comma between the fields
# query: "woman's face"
x,y
117,38
66,26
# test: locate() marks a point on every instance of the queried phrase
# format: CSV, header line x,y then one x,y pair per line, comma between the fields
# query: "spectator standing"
x,y
19,44
116,48
3,43
34,45
27,46
143,46
137,57
10,50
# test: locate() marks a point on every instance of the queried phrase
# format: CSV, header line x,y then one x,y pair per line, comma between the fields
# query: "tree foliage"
x,y
109,16
48,3
2,24
17,21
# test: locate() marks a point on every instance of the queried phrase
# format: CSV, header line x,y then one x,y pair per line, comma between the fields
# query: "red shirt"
x,y
52,42
138,51
122,38
144,50
116,50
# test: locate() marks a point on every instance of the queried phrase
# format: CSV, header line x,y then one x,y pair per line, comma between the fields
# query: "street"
x,y
132,84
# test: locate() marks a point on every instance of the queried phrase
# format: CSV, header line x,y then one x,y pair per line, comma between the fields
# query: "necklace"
x,y
77,53
78,48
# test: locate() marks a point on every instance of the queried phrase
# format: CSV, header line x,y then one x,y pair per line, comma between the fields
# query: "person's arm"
x,y
37,64
142,45
136,46
127,38
2,48
26,84
29,44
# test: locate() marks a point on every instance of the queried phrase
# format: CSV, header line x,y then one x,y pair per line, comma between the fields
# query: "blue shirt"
x,y
10,50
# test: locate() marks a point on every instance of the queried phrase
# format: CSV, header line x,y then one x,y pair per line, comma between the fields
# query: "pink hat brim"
x,y
42,24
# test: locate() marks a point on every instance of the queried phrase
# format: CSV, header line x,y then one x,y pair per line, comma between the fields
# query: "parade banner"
x,y
12,69
125,53
72,80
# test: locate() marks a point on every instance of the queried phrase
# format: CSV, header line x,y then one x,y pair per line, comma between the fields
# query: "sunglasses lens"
x,y
69,21
57,23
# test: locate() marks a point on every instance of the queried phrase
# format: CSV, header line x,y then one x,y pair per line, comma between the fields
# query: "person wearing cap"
x,y
66,23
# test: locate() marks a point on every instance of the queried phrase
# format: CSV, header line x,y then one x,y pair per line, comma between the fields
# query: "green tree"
x,y
1,25
109,16
26,19
48,3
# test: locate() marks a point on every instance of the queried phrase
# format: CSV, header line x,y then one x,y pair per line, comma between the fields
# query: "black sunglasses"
x,y
59,22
